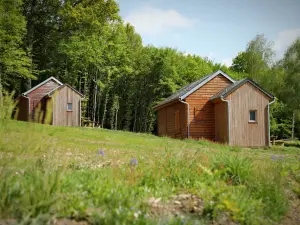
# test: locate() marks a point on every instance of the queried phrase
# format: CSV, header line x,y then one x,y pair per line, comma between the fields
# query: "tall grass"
x,y
52,172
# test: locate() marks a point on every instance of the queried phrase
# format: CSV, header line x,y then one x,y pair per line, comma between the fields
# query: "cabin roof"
x,y
42,83
192,87
231,88
60,87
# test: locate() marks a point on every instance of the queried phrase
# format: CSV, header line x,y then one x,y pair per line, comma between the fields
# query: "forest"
x,y
86,44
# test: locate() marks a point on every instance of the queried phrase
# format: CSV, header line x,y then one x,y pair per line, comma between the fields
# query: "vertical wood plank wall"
x,y
62,117
243,133
205,128
221,122
166,120
22,109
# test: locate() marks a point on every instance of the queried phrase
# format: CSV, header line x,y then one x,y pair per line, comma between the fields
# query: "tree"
x,y
291,65
14,62
256,60
239,63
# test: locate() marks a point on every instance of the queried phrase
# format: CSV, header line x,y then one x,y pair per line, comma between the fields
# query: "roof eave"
x,y
159,106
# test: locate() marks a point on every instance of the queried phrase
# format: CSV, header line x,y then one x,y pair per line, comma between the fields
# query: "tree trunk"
x,y
29,41
116,120
293,126
134,121
79,86
0,81
1,100
104,110
95,104
99,106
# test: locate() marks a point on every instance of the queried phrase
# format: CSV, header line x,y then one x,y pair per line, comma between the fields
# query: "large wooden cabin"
x,y
218,108
50,102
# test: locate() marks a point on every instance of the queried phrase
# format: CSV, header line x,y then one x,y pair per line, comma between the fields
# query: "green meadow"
x,y
96,176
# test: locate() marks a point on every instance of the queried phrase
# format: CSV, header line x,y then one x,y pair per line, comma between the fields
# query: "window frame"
x,y
255,115
69,110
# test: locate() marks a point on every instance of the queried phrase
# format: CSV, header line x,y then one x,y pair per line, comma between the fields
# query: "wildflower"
x,y
134,162
274,157
100,152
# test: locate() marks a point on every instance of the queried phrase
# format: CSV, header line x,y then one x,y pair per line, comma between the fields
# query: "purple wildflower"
x,y
100,152
134,162
274,157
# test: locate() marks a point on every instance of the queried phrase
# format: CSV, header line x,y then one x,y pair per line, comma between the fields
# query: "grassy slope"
x,y
50,171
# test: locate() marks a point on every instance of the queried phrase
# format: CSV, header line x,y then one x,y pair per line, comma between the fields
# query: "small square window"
x,y
252,115
69,107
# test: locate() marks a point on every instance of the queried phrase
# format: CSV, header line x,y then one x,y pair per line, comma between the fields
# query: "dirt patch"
x,y
293,215
176,206
8,222
184,205
65,221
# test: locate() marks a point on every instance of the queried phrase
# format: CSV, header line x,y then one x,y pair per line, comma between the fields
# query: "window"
x,y
252,115
69,107
177,122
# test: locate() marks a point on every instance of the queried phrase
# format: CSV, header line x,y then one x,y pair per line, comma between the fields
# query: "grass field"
x,y
59,175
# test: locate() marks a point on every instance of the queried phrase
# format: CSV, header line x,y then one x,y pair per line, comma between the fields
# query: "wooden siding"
x,y
166,120
243,133
62,117
37,95
22,112
221,122
205,126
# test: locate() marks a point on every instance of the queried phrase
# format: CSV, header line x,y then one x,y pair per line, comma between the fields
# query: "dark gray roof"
x,y
231,88
190,88
182,91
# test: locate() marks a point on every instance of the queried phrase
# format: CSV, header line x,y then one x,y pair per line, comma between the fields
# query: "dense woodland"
x,y
86,44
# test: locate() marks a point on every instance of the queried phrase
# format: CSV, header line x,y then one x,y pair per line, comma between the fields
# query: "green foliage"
x,y
256,60
87,45
47,174
280,120
292,67
233,169
14,62
7,105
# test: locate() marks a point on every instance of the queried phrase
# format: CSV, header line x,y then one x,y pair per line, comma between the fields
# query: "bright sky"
x,y
218,29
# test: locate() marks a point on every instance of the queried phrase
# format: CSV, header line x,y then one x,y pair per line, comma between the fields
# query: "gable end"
x,y
41,84
191,88
233,87
219,72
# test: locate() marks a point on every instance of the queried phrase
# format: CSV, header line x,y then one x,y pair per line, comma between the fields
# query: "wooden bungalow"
x,y
218,108
50,102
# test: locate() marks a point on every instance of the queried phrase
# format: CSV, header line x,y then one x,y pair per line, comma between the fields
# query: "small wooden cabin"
x,y
220,109
50,102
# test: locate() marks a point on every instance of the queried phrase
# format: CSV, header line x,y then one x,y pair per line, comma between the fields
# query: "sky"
x,y
217,29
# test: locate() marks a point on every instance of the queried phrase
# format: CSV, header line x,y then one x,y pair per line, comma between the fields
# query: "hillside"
x,y
61,175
